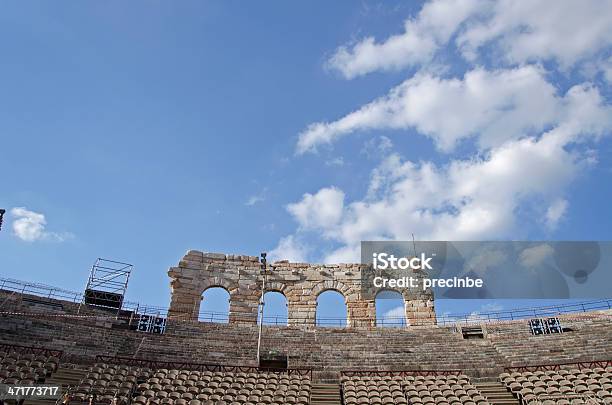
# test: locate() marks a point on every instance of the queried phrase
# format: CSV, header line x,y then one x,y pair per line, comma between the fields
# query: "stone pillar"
x,y
185,302
361,313
244,303
301,310
420,312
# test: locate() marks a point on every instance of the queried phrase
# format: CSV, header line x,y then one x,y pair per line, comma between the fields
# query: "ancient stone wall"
x,y
300,283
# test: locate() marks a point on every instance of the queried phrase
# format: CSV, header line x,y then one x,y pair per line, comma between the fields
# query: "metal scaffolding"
x,y
107,284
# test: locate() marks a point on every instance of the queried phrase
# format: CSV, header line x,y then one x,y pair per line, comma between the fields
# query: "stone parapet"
x,y
300,283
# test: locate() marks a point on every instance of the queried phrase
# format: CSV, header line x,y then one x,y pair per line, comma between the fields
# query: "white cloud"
x,y
494,106
254,199
338,161
289,248
534,256
477,316
532,135
486,258
524,31
397,312
30,226
320,210
466,199
377,147
422,38
555,212
518,31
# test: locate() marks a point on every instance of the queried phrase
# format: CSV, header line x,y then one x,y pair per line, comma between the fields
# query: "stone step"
x,y
325,394
496,393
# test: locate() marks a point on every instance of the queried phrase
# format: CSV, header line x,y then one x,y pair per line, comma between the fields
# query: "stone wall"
x,y
300,283
325,350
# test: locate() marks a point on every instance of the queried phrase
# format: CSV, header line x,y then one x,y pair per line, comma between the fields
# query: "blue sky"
x,y
140,130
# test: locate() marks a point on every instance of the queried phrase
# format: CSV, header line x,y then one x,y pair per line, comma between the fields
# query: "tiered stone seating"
x,y
185,387
563,387
419,389
375,390
18,365
105,382
326,351
588,340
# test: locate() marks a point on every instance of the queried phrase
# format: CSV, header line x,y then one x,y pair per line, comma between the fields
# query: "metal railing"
x,y
526,313
401,373
41,290
558,366
7,348
180,365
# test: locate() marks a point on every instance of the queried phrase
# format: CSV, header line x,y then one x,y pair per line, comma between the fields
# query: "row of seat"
x,y
107,381
231,387
560,386
184,387
17,367
419,389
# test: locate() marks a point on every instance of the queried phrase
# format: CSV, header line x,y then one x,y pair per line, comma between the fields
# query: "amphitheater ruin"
x,y
300,283
48,335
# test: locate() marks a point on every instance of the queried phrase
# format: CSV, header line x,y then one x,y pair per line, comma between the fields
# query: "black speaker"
x,y
103,299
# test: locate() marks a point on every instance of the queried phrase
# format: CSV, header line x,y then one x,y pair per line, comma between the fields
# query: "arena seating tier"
x,y
26,365
420,389
563,387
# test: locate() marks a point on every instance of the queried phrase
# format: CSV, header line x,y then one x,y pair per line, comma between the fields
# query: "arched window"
x,y
390,311
331,309
275,309
215,305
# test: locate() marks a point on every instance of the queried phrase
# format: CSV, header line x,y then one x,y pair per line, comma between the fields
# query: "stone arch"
x,y
332,319
221,282
300,283
327,285
215,315
276,309
277,286
400,318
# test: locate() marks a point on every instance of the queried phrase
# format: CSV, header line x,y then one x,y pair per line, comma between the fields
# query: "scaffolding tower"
x,y
107,284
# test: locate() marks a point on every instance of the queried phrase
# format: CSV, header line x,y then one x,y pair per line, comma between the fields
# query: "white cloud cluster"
x,y
555,212
289,248
30,226
493,105
467,199
566,32
532,135
520,31
422,37
319,211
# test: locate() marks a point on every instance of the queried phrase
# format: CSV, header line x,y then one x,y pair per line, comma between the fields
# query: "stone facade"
x,y
300,283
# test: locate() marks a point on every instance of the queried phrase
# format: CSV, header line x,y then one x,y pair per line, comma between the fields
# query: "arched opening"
x,y
331,309
390,310
215,305
275,309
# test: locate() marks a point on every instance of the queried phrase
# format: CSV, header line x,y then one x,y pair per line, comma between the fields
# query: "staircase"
x,y
65,378
496,393
325,394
